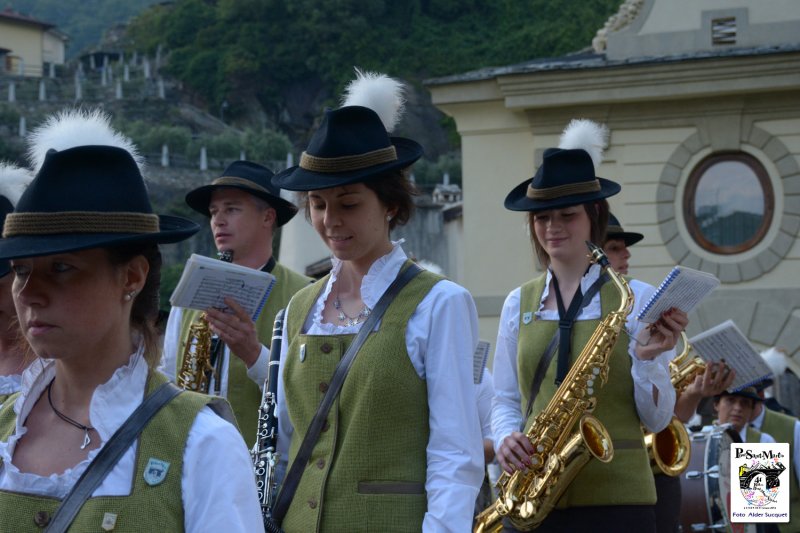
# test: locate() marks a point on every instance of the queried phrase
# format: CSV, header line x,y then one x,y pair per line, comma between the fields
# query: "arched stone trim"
x,y
788,218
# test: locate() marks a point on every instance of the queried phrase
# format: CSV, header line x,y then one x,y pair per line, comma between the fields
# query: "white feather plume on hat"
x,y
379,92
776,360
77,127
585,135
13,181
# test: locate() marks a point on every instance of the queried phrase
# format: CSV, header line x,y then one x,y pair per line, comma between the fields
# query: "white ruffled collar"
x,y
380,275
586,281
10,384
112,403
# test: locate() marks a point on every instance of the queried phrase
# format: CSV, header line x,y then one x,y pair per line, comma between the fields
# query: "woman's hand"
x,y
515,452
662,335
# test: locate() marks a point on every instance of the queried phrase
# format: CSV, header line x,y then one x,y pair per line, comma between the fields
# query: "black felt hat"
x,y
747,392
86,197
249,177
352,144
615,231
5,209
13,181
566,176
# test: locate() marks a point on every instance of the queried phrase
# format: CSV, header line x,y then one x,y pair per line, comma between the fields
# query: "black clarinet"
x,y
264,452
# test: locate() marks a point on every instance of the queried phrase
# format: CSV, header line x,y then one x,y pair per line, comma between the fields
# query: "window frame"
x,y
690,194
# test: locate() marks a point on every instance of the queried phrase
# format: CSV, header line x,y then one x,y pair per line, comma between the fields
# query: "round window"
x,y
729,203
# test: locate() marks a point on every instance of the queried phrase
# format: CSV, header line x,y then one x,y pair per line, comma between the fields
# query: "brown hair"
x,y
144,311
598,219
394,190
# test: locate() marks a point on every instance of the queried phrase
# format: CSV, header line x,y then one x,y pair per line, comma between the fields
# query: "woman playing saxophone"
x,y
566,205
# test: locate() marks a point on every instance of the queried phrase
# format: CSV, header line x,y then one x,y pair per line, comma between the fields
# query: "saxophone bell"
x,y
670,449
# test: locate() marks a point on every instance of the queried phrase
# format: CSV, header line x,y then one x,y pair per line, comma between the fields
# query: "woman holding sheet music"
x,y
567,206
400,449
87,299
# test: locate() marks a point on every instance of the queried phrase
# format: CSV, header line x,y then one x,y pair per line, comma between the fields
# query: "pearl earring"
x,y
388,218
129,296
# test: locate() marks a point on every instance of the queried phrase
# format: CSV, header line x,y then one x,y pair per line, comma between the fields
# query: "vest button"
x,y
312,504
326,348
323,387
41,518
321,464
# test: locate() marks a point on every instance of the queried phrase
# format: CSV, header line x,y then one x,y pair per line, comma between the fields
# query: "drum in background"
x,y
706,484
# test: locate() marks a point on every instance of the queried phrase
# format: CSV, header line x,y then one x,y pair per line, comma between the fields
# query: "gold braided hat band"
x,y
239,182
79,222
347,162
569,189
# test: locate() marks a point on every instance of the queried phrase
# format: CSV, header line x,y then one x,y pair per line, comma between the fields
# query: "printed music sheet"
x,y
727,343
206,282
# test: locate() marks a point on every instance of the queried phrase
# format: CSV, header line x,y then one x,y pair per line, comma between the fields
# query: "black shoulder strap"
x,y
547,357
292,479
111,453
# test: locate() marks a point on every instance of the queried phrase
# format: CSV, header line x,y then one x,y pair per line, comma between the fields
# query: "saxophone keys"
x,y
526,509
508,504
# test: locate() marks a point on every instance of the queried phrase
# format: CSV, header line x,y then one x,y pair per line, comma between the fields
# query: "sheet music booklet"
x,y
206,282
683,288
726,342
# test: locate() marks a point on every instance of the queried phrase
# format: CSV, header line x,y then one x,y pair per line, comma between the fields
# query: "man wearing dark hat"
x,y
617,242
736,408
244,209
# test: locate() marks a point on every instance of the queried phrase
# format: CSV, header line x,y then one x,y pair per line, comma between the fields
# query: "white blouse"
x,y
507,406
218,486
441,337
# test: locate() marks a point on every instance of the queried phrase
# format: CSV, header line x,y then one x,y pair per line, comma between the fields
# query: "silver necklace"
x,y
346,319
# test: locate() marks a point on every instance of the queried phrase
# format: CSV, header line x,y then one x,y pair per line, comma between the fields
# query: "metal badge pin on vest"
x,y
302,352
156,471
109,522
527,317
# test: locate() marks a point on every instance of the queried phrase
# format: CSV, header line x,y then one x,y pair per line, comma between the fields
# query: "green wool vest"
x,y
244,394
368,469
3,398
781,427
149,507
628,478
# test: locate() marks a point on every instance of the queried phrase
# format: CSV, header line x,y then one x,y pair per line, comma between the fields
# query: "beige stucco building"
x,y
703,103
29,44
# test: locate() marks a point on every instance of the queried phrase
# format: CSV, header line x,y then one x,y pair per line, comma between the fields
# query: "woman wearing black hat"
x,y
566,205
401,448
13,181
617,242
83,243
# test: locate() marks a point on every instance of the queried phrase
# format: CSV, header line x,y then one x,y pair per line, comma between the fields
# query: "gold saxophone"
x,y
670,449
565,435
196,368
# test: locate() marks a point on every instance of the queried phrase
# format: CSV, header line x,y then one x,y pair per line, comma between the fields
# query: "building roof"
x,y
588,59
10,14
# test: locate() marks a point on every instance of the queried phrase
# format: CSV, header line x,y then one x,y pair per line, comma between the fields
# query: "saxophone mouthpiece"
x,y
596,254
